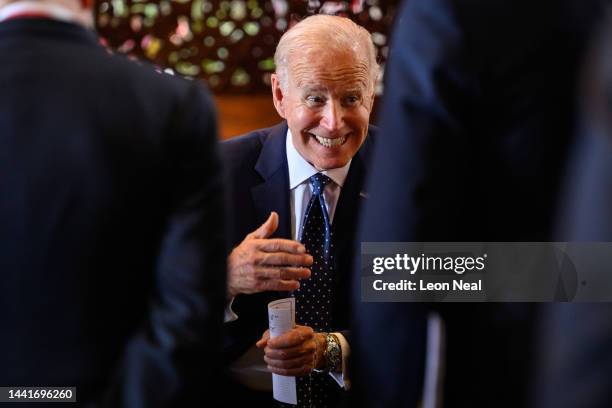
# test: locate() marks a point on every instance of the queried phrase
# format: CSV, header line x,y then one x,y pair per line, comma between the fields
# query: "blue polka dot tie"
x,y
314,298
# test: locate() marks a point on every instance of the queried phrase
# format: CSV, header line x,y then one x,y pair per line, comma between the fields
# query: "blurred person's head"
x,y
324,85
80,11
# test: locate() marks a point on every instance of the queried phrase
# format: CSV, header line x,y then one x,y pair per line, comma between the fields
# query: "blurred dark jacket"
x,y
478,115
112,266
575,359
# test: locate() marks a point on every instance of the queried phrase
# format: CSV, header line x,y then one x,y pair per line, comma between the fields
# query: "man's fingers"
x,y
278,285
283,273
291,352
292,338
282,258
282,245
267,228
291,363
261,343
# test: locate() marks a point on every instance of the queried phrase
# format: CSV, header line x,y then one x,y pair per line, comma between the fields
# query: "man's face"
x,y
327,104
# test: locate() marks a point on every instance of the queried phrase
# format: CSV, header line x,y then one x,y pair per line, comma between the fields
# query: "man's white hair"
x,y
329,33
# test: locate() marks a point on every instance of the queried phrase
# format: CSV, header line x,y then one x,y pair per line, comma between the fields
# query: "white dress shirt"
x,y
300,172
249,367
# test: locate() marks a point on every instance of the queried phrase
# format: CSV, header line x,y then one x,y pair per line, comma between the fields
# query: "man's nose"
x,y
332,116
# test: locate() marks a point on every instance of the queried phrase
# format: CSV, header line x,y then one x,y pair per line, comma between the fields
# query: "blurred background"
x,y
228,43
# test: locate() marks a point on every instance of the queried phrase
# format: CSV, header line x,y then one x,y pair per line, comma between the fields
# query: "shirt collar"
x,y
300,170
53,11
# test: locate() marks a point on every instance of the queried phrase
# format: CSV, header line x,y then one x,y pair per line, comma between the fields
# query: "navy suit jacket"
x,y
477,118
575,359
258,184
112,266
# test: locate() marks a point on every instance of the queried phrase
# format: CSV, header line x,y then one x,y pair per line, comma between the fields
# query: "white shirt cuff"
x,y
342,378
229,316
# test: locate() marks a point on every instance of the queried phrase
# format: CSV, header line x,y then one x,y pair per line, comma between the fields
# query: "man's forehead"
x,y
322,72
314,87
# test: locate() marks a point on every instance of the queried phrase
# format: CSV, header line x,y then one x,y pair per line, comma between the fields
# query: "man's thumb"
x,y
267,228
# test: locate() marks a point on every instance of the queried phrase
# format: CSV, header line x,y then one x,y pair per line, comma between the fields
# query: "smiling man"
x,y
296,191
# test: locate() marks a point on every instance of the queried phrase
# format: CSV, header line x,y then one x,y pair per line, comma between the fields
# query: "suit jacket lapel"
x,y
347,211
273,193
345,220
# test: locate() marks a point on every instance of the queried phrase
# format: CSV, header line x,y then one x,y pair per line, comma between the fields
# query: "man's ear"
x,y
277,96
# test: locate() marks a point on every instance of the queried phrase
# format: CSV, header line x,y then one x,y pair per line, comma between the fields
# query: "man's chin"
x,y
328,164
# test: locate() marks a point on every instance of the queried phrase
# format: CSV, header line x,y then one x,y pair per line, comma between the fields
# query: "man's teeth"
x,y
330,142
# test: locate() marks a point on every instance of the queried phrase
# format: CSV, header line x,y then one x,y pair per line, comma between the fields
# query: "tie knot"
x,y
318,182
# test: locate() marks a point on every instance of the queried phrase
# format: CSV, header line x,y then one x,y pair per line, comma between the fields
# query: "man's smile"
x,y
329,142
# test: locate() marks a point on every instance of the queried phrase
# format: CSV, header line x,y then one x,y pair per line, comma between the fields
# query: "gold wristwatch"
x,y
333,352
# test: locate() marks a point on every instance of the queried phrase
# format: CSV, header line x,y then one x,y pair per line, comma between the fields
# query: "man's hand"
x,y
294,353
261,263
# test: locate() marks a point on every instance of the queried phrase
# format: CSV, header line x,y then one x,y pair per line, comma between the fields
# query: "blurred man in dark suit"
x,y
477,119
112,274
296,191
575,359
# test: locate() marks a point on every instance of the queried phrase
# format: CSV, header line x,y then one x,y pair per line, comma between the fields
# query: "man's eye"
x,y
313,99
351,100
